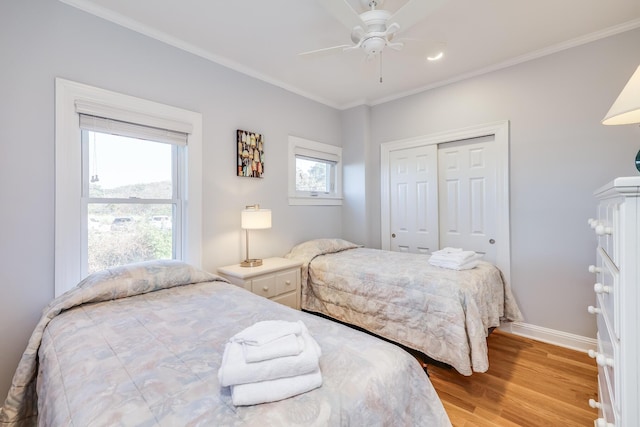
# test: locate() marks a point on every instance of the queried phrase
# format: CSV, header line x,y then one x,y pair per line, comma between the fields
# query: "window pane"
x,y
313,175
123,233
121,167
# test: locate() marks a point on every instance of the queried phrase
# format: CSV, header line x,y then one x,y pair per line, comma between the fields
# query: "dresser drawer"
x,y
606,289
605,228
605,411
606,360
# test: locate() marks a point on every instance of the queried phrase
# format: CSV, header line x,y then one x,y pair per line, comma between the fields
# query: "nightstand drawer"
x,y
287,281
264,286
290,299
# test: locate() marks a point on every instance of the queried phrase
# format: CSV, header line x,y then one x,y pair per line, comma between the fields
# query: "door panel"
x,y
413,198
467,205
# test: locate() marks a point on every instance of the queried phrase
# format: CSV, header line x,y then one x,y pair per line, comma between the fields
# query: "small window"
x,y
315,173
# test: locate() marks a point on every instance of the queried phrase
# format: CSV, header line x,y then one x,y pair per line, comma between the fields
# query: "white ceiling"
x,y
263,39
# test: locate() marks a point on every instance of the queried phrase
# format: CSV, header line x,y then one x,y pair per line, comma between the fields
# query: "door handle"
x,y
492,241
393,235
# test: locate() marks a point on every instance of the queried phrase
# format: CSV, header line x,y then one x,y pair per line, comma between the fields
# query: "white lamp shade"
x,y
255,219
626,109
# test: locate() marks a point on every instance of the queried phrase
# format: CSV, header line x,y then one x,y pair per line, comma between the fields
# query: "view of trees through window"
x,y
124,233
129,206
313,175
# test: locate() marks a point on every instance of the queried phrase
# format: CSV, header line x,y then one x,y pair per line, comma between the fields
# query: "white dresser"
x,y
617,307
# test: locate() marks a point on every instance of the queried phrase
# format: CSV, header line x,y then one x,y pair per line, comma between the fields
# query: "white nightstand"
x,y
277,279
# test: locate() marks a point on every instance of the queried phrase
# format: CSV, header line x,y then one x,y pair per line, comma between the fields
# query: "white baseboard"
x,y
551,336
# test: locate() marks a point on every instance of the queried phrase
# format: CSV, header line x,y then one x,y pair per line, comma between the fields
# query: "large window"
x,y
128,182
132,196
315,173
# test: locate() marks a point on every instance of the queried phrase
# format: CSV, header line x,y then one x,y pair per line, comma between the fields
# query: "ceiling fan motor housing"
x,y
376,20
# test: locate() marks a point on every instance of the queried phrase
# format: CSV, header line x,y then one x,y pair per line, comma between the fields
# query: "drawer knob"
x,y
265,288
594,310
599,288
601,230
287,282
604,361
601,359
595,404
594,269
593,223
600,422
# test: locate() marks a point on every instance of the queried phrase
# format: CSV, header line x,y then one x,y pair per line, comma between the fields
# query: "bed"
x,y
445,314
142,344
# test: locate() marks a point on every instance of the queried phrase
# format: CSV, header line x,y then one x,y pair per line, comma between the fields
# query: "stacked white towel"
x,y
455,259
269,361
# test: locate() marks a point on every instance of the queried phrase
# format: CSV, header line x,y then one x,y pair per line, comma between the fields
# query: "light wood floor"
x,y
529,383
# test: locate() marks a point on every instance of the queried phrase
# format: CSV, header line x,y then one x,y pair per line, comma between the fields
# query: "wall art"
x,y
250,154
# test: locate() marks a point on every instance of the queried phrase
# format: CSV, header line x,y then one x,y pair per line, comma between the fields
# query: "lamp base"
x,y
251,263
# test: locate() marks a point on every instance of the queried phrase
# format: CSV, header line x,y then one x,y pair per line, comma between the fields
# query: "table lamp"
x,y
626,109
253,218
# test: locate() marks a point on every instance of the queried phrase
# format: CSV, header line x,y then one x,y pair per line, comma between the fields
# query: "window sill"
x,y
314,201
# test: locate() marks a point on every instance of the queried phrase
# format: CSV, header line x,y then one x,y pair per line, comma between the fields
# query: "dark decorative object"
x,y
250,154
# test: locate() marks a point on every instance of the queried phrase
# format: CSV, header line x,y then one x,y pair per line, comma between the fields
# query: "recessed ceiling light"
x,y
435,57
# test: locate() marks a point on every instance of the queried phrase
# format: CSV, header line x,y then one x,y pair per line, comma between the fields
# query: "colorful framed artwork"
x,y
250,154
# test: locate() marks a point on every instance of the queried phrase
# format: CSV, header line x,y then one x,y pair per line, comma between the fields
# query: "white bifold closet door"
x,y
413,175
467,195
444,195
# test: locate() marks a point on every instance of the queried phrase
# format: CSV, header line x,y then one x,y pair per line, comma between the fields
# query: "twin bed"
x,y
445,314
142,345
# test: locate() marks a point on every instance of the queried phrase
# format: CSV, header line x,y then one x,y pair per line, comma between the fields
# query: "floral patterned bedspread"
x,y
445,314
142,345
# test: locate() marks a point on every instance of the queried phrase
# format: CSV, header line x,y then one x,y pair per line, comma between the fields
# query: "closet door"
x,y
467,195
413,180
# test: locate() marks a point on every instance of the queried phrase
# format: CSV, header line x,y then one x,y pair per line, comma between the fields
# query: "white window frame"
x,y
316,150
68,163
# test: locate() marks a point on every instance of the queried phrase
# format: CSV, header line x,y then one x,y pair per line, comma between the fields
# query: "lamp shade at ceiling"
x,y
626,109
255,219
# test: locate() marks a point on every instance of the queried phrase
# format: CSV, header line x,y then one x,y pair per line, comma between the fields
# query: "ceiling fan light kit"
x,y
375,28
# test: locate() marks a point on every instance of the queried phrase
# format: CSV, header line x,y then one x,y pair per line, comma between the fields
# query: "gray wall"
x,y
44,39
559,154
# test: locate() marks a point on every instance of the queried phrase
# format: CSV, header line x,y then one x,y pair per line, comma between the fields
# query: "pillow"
x,y
308,250
142,277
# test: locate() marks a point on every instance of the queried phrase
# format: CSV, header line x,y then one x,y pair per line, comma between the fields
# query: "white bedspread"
x,y
445,314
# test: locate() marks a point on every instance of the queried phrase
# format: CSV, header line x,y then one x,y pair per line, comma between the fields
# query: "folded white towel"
x,y
235,370
453,254
265,331
289,345
455,265
274,390
448,250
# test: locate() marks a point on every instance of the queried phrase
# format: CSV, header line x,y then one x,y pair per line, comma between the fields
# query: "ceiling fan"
x,y
375,29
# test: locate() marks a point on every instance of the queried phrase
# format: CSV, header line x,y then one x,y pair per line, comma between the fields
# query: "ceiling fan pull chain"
x,y
380,67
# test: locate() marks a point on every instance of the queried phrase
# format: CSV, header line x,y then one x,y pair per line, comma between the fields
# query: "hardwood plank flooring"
x,y
529,383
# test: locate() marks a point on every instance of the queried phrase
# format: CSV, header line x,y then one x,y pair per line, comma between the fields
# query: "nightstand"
x,y
277,279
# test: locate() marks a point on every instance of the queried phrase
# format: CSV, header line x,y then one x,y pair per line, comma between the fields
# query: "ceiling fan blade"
x,y
343,12
325,50
414,11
